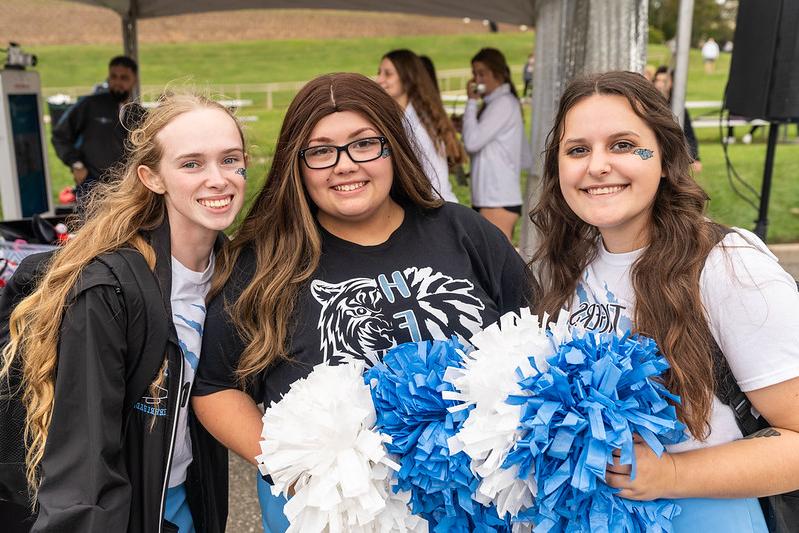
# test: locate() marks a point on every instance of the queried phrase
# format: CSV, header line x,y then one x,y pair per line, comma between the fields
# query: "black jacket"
x,y
91,132
101,473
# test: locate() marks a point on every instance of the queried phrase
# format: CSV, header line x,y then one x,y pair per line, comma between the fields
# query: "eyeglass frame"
x,y
345,148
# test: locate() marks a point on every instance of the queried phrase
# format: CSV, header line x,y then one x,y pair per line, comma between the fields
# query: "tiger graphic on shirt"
x,y
365,317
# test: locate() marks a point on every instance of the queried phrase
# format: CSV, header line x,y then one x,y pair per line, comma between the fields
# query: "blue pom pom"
x,y
598,391
407,393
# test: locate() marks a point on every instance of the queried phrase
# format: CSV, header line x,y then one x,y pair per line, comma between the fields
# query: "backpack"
x,y
781,510
139,290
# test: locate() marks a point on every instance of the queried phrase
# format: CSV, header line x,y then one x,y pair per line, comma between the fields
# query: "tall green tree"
x,y
711,19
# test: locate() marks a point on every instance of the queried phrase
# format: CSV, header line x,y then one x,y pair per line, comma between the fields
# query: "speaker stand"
x,y
761,224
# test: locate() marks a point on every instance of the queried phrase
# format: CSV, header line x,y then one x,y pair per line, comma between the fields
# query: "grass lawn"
x,y
209,64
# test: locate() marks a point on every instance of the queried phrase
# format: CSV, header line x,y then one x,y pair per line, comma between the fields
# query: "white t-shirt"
x,y
710,50
751,306
496,144
189,290
432,157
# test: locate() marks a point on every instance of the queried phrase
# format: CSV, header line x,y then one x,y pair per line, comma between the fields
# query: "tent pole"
x,y
575,37
684,23
130,38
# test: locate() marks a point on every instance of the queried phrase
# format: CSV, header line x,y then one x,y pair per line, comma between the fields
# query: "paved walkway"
x,y
788,255
244,514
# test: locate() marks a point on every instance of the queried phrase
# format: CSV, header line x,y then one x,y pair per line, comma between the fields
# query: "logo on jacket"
x,y
152,404
364,317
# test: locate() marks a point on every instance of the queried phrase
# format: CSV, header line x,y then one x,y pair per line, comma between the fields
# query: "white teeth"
x,y
216,203
350,186
596,191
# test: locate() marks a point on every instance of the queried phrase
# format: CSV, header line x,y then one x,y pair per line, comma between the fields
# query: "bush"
x,y
656,35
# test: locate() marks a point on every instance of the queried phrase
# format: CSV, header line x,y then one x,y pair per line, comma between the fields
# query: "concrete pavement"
x,y
244,513
788,255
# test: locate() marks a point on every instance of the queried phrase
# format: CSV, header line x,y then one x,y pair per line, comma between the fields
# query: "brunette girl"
x,y
493,134
404,77
624,237
345,253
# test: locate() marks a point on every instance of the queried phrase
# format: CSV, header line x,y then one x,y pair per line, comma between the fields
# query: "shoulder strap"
x,y
729,393
725,386
147,320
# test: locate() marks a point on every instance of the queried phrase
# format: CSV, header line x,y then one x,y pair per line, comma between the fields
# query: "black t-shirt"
x,y
443,272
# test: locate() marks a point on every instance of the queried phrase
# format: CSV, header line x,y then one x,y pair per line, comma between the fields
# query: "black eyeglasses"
x,y
360,151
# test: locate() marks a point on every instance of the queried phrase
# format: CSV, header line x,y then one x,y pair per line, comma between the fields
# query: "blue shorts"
x,y
272,516
719,516
177,510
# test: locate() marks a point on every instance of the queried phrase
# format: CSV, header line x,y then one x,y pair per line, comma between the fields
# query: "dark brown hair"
x,y
496,63
665,278
280,226
426,100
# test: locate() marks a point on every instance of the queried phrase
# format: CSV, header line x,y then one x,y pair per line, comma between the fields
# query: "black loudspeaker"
x,y
764,74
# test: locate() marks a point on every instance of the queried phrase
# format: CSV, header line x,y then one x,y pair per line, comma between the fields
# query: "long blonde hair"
x,y
116,214
281,227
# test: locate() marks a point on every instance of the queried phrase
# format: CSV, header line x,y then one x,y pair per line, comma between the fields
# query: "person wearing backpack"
x,y
105,347
625,245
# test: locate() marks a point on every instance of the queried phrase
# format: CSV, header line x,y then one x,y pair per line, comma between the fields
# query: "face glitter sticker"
x,y
242,172
386,152
644,153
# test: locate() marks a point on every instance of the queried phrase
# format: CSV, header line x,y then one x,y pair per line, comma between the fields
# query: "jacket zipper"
x,y
171,450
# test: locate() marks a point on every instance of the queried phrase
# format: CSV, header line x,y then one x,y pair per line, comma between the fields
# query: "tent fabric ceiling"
x,y
507,11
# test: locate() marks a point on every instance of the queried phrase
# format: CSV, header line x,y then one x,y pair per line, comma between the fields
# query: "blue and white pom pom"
x,y
319,442
597,391
491,373
407,391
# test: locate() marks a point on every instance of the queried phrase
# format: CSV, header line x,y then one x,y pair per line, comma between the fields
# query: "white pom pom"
x,y
490,375
319,443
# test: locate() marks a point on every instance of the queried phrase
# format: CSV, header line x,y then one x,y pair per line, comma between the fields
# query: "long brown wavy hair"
x,y
665,278
116,214
280,226
426,100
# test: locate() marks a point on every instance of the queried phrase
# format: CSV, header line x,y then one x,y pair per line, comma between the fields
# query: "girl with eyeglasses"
x,y
345,253
625,245
405,78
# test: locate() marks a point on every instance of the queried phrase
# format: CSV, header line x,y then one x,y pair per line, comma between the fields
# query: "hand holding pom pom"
x,y
597,392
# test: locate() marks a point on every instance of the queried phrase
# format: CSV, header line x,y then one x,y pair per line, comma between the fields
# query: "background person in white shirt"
x,y
493,135
404,77
710,53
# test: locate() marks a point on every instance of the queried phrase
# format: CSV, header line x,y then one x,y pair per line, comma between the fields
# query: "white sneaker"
x,y
729,140
747,139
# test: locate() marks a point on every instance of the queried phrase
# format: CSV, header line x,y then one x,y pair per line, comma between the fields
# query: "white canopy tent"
x,y
573,37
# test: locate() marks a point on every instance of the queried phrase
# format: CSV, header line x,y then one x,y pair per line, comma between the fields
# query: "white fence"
x,y
269,95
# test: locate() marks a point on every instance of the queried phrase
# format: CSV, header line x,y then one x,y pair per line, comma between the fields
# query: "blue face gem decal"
x,y
386,152
644,153
242,172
